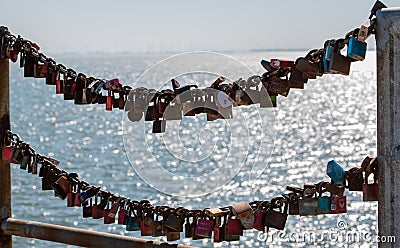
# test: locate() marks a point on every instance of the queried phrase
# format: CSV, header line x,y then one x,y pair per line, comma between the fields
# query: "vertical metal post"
x,y
388,121
5,174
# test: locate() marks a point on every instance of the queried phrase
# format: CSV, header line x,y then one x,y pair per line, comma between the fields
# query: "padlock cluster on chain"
x,y
216,101
219,223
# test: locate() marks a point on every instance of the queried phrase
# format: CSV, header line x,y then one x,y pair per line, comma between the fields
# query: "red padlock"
x,y
145,230
370,191
121,216
8,152
235,227
259,220
338,204
276,63
109,101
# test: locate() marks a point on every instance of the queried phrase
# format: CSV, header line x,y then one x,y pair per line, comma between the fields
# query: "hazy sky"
x,y
178,25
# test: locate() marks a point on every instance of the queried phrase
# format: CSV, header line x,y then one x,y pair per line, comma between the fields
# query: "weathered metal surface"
x,y
5,174
388,121
75,236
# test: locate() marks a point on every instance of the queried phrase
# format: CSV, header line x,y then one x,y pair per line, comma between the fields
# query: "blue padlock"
x,y
335,172
328,52
324,205
89,193
356,49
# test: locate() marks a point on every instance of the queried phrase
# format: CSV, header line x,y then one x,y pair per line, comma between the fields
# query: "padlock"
x,y
34,164
242,210
240,95
27,157
87,209
307,67
114,209
59,86
296,79
122,216
152,111
259,220
278,86
276,63
308,203
158,226
338,63
77,202
145,230
159,126
146,221
235,227
324,204
175,221
62,187
335,189
356,49
293,199
215,212
229,237
172,235
122,97
308,206
204,227
132,223
70,199
110,212
364,30
79,93
50,75
219,232
40,70
329,49
48,179
29,66
370,191
274,99
17,154
335,172
88,193
354,179
69,85
276,219
190,226
97,208
123,212
8,152
338,204
72,196
109,101
252,90
161,106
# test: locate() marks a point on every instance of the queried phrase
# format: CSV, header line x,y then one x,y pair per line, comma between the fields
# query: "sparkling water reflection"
x,y
333,118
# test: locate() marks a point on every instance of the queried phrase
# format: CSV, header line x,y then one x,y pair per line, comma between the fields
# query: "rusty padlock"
x,y
355,180
276,219
371,190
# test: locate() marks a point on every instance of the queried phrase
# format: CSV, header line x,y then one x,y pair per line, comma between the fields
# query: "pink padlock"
x,y
204,228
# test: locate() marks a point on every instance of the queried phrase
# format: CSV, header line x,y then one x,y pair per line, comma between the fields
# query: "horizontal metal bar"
x,y
74,236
